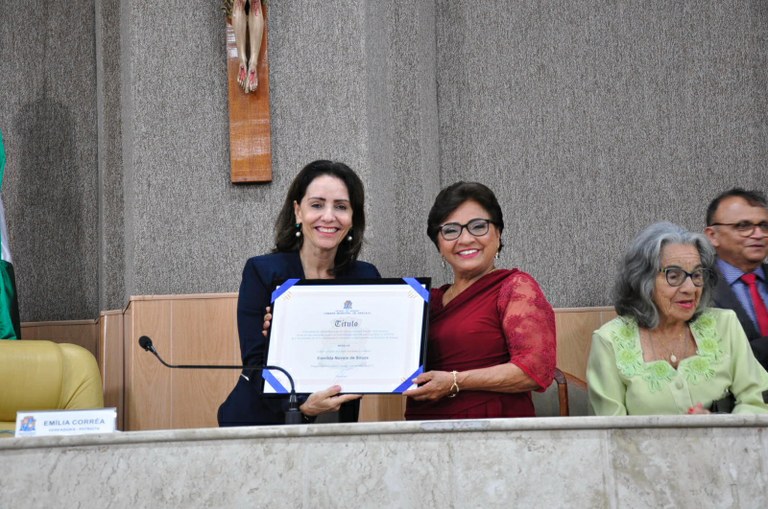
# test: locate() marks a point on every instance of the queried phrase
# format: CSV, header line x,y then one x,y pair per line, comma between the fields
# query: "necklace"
x,y
451,293
448,296
673,359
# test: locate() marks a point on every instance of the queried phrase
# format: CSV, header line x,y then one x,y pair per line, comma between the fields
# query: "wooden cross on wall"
x,y
250,142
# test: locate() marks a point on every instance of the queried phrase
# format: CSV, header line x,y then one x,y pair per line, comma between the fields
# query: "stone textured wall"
x,y
589,119
592,120
50,192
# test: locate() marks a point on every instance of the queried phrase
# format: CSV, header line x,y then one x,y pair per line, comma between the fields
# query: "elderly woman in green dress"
x,y
667,352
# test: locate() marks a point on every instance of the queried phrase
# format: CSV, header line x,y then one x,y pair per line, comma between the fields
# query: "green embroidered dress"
x,y
622,383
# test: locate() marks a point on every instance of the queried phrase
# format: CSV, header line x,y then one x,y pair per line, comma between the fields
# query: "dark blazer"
x,y
245,405
726,299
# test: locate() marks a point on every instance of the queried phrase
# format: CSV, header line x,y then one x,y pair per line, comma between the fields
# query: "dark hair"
x,y
451,198
285,226
754,198
636,279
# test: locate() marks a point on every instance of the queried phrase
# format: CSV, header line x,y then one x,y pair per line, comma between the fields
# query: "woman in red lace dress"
x,y
491,332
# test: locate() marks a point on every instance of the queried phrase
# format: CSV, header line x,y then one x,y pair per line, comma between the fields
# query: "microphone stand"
x,y
292,415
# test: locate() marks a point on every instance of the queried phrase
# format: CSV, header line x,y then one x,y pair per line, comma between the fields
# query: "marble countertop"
x,y
392,428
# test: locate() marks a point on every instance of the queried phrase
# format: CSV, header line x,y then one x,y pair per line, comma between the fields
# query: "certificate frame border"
x,y
426,281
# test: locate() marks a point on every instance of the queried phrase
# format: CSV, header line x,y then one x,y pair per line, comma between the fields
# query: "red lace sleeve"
x,y
529,327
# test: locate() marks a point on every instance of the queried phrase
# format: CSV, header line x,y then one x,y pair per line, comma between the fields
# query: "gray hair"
x,y
636,279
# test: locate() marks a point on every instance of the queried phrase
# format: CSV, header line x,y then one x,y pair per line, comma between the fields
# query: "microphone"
x,y
292,415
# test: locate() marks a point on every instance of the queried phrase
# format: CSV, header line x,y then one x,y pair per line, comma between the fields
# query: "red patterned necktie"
x,y
760,311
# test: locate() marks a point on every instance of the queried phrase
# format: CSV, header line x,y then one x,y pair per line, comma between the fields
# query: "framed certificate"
x,y
367,335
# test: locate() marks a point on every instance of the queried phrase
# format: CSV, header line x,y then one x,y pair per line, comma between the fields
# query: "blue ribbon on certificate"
x,y
274,382
418,287
283,288
408,381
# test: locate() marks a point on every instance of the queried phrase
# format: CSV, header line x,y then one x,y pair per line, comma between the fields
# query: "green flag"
x,y
10,326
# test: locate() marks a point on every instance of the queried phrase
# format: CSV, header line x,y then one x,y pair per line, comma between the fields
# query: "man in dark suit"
x,y
737,226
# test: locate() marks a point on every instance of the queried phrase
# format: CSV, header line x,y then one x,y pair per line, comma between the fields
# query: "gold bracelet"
x,y
455,385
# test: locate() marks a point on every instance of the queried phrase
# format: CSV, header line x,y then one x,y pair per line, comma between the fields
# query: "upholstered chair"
x,y
43,375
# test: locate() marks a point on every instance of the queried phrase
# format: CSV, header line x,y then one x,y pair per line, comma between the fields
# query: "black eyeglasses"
x,y
476,227
676,276
745,228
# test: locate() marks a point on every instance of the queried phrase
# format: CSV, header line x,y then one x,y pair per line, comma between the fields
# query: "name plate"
x,y
369,336
65,422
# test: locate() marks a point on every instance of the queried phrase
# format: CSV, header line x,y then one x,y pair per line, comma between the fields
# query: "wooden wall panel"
x,y
148,396
111,361
127,363
574,336
201,329
79,332
377,407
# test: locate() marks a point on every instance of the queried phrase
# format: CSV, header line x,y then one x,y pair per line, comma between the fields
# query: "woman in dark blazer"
x,y
319,233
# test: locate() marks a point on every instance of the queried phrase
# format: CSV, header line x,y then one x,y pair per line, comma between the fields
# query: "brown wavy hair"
x,y
285,226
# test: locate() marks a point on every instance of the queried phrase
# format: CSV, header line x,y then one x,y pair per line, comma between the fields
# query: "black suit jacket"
x,y
246,406
726,299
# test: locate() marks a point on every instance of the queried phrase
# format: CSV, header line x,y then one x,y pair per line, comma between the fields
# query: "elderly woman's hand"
x,y
328,400
433,385
698,409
